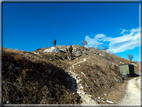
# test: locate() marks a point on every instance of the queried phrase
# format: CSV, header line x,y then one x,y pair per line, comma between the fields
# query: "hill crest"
x,y
87,75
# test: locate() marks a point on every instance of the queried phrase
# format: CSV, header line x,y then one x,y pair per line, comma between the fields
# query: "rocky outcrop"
x,y
76,53
70,57
91,50
84,53
53,49
103,54
97,53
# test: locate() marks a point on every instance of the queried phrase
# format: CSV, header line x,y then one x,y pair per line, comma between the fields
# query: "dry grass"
x,y
117,94
26,80
44,79
99,79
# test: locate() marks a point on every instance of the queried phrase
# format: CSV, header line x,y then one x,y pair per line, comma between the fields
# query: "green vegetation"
x,y
54,42
70,49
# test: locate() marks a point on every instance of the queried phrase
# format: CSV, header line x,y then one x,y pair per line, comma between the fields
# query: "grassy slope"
x,y
45,79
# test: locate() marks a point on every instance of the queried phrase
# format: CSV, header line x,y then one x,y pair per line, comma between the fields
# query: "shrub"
x,y
70,49
130,57
84,43
54,42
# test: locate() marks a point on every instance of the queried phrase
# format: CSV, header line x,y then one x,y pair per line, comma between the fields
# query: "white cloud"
x,y
117,44
100,36
123,31
92,42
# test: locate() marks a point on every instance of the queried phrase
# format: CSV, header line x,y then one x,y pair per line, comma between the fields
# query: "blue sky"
x,y
29,26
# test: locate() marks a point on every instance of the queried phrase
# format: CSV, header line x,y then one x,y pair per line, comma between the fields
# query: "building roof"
x,y
125,64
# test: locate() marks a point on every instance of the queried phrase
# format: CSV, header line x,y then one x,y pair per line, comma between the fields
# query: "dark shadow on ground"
x,y
135,75
30,81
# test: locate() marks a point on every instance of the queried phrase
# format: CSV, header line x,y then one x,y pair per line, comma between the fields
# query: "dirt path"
x,y
84,97
132,96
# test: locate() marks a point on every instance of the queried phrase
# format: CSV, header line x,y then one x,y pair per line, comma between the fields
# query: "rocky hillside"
x,y
53,76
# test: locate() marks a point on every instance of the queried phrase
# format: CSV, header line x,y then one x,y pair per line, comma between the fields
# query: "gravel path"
x,y
84,97
132,96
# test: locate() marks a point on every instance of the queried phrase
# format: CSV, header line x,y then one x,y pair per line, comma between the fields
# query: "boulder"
x,y
76,53
87,49
97,53
84,53
103,54
70,57
64,49
53,49
91,50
